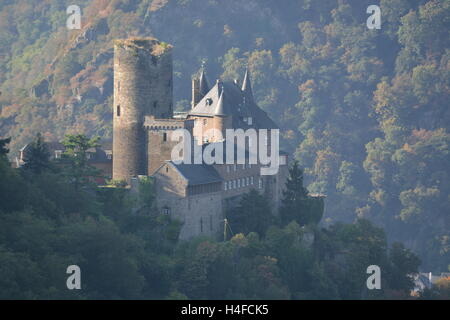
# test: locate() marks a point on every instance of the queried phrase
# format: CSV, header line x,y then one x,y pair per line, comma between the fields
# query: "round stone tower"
x,y
142,87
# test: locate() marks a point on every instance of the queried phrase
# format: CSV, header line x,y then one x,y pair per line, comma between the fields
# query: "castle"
x,y
144,125
195,194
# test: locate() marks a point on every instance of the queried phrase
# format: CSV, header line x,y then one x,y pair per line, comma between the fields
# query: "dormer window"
x,y
209,101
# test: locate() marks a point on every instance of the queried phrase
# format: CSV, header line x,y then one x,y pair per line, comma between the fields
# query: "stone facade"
x,y
199,212
159,139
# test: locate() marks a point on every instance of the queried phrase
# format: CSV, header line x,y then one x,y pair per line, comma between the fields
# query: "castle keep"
x,y
143,125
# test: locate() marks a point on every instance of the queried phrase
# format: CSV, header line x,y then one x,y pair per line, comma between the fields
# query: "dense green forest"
x,y
50,218
365,112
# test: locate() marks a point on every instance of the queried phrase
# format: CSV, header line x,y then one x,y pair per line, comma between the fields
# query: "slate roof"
x,y
204,87
197,174
236,104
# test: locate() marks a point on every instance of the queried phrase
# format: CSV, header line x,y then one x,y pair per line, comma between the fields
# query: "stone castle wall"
x,y
199,214
159,140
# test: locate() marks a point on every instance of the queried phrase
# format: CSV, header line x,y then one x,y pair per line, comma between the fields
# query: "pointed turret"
x,y
246,85
220,111
203,83
222,120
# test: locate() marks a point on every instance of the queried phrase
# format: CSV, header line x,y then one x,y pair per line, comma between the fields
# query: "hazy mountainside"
x,y
365,112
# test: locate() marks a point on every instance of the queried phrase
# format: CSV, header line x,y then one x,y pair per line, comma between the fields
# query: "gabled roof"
x,y
235,104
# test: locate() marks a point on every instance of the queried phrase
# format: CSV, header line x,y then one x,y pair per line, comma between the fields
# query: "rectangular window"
x,y
239,183
58,154
251,180
118,110
211,223
225,185
250,121
201,224
260,183
164,136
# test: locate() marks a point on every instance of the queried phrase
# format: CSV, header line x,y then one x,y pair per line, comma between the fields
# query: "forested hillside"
x,y
51,217
365,112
